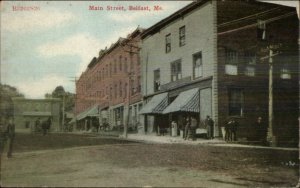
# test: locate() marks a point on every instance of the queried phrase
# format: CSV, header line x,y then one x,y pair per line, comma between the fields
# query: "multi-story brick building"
x,y
212,58
109,90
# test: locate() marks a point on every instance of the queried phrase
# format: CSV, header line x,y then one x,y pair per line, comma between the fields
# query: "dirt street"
x,y
47,161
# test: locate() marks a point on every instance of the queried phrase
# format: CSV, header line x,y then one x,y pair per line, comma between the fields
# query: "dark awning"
x,y
187,101
156,105
91,112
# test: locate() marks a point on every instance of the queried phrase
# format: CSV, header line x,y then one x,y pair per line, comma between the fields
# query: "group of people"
x,y
7,127
231,129
192,124
43,126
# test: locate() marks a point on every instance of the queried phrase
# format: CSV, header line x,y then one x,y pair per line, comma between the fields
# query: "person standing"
x,y
233,126
209,123
261,131
194,125
187,128
37,125
10,136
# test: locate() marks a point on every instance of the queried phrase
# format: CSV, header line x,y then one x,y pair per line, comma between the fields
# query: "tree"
x,y
7,92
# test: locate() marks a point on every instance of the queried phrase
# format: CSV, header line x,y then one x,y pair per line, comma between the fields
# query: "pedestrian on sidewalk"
x,y
261,131
187,128
209,123
10,136
194,125
233,129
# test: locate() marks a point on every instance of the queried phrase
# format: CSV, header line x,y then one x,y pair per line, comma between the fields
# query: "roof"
x,y
187,101
156,27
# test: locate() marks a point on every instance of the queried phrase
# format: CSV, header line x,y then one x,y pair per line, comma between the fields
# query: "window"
x,y
231,60
125,64
120,63
132,86
285,73
106,70
176,70
116,90
120,89
197,65
250,60
138,84
110,69
115,66
168,43
261,30
156,80
125,90
182,36
236,101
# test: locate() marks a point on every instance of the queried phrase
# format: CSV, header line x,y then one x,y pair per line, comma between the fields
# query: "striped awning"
x,y
156,105
91,112
187,101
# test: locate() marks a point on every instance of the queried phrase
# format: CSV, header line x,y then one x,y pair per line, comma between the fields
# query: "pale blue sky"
x,y
49,47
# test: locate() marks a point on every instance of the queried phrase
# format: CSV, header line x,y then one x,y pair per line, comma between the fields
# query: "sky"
x,y
53,43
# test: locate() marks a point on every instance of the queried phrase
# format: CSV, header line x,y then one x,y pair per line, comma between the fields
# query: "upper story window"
x,y
236,102
115,66
120,63
168,43
261,30
176,70
285,73
138,89
110,69
120,89
125,65
116,90
106,70
182,36
197,65
156,80
231,60
250,60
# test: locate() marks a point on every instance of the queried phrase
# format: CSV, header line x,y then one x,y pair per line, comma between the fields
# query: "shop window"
x,y
168,43
197,65
182,36
236,102
156,80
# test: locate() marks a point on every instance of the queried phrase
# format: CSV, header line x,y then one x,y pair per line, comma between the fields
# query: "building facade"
x,y
213,58
28,111
109,90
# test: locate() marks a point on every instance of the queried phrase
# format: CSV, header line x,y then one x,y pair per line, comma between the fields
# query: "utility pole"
x,y
63,110
270,136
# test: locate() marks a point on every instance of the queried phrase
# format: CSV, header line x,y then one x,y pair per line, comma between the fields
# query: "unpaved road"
x,y
115,163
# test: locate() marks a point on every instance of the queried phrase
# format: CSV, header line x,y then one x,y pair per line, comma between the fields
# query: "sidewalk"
x,y
152,138
167,139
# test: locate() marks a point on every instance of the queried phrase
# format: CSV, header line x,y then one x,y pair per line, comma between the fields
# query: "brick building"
x,y
109,90
212,58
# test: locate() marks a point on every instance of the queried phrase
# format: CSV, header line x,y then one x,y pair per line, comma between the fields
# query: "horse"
x,y
46,126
